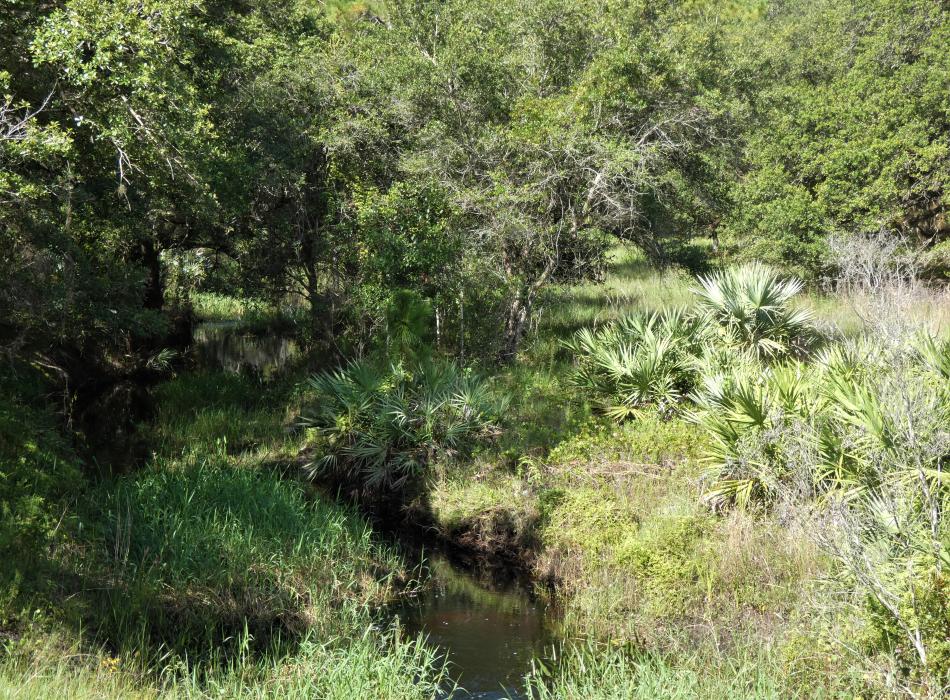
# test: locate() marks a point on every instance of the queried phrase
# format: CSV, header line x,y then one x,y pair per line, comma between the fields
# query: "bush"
x,y
750,304
638,361
39,475
383,428
857,435
743,315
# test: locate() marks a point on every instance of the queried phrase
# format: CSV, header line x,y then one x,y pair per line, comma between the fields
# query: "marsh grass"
x,y
364,664
632,284
599,673
210,306
218,410
213,573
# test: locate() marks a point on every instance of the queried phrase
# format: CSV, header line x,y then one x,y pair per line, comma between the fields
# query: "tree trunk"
x,y
514,329
312,277
154,289
519,312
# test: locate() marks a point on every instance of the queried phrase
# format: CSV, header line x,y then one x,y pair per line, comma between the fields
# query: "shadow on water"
x,y
487,622
222,345
490,626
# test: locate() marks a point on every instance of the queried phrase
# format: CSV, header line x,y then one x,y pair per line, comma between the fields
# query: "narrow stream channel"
x,y
222,344
488,626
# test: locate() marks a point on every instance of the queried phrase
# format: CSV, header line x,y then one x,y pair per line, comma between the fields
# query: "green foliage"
x,y
853,131
39,476
207,574
383,667
597,673
751,304
652,438
408,324
205,550
637,361
738,411
659,359
838,410
583,520
385,428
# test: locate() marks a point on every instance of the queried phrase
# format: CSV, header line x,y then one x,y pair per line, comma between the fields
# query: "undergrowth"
x,y
209,573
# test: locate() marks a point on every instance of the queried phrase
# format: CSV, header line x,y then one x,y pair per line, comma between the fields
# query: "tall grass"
x,y
211,574
363,665
591,673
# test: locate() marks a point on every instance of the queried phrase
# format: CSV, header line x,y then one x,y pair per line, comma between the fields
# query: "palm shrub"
x,y
836,418
890,415
750,304
382,427
861,432
864,433
747,411
638,361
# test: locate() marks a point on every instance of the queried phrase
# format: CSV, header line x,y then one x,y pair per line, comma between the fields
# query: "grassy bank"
x,y
732,602
206,573
252,316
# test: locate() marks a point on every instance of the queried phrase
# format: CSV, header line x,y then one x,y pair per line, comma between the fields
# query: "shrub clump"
x,y
383,427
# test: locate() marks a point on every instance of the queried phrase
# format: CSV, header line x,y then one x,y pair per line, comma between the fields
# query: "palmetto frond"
x,y
384,427
935,353
752,303
639,360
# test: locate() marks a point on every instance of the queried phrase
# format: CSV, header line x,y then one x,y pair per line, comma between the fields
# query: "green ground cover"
x,y
205,574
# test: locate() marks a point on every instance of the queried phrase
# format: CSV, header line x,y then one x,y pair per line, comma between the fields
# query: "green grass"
x,y
615,515
364,665
592,673
209,306
631,283
209,573
252,315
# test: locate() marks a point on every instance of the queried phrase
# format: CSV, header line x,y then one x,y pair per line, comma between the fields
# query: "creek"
x,y
487,623
224,345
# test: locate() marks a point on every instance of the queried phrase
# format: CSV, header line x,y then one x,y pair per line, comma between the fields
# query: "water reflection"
x,y
489,632
222,345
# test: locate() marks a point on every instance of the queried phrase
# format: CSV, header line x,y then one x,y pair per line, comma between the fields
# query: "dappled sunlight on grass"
x,y
631,283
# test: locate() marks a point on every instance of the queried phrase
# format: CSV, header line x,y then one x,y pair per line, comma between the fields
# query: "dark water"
x,y
489,628
488,625
221,344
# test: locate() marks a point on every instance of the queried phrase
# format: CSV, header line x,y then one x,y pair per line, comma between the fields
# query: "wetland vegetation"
x,y
474,349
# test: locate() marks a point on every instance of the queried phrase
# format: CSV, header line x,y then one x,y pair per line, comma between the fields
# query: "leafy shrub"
x,y
836,417
39,475
384,427
864,431
637,361
743,315
750,304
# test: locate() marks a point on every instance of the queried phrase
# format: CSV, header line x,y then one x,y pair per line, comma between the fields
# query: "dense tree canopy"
x,y
852,131
474,152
